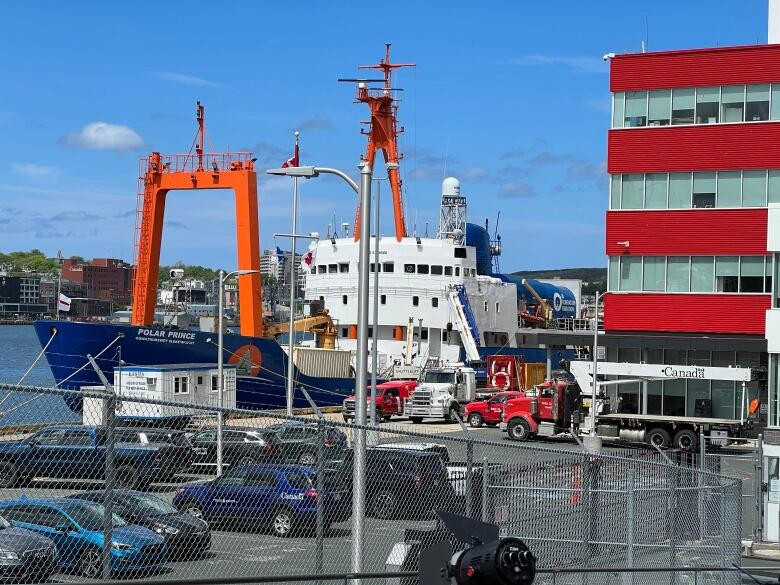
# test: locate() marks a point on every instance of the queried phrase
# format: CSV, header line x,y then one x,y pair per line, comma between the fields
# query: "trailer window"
x,y
180,385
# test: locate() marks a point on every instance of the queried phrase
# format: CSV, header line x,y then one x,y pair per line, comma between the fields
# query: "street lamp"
x,y
595,363
359,443
220,374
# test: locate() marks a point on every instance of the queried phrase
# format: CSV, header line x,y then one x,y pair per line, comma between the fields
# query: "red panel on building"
x,y
681,232
713,313
698,67
706,147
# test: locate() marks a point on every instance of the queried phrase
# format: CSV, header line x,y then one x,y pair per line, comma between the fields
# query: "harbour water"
x,y
18,349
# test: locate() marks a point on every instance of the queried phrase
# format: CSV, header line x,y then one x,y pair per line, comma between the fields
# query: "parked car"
x,y
24,555
488,411
281,497
76,527
185,535
402,482
289,442
145,436
79,452
390,399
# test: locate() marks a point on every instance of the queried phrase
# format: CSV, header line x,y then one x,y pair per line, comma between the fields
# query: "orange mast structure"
x,y
160,174
382,135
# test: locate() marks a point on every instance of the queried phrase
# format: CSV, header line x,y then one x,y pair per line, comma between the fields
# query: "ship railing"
x,y
573,324
207,162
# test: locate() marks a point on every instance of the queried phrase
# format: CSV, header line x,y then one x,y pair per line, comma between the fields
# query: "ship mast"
x,y
383,134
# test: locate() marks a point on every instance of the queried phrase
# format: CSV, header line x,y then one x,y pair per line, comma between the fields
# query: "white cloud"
x,y
581,64
34,171
185,79
104,136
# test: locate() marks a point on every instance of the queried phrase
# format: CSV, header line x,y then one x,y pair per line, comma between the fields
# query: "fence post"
x,y
469,475
320,496
630,526
485,485
701,484
758,479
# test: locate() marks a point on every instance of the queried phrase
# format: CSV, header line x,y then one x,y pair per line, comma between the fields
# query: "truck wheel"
x,y
659,437
127,477
346,418
9,475
416,419
476,420
379,416
284,522
386,417
686,440
518,429
452,415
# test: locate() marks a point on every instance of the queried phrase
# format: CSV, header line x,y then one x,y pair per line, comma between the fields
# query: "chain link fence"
x,y
143,496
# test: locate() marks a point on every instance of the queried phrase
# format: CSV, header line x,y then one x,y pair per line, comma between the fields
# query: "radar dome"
x,y
450,187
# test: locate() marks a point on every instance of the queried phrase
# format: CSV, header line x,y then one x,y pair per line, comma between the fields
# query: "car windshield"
x,y
149,505
90,516
439,377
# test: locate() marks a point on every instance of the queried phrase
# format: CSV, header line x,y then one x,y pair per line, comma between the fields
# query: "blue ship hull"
x,y
261,363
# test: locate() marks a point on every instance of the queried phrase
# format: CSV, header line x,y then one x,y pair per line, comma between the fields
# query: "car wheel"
x,y
127,477
518,429
246,461
387,417
452,415
378,416
90,563
416,419
283,522
383,504
686,440
346,418
9,475
659,437
193,509
307,459
476,420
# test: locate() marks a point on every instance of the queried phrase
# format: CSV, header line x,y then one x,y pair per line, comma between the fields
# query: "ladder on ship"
x,y
465,321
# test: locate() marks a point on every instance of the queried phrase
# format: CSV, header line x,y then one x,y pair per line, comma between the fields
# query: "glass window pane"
x,y
702,273
653,273
617,110
655,190
633,191
614,273
614,192
698,391
773,186
703,189
757,103
707,99
660,106
682,106
751,274
636,109
754,189
732,103
776,101
674,396
680,190
729,184
722,399
727,273
678,274
630,273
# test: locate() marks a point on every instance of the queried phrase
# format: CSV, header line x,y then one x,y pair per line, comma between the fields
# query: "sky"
x,y
510,97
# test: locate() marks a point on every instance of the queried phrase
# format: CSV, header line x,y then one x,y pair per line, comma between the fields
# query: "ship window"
x,y
371,267
343,299
757,103
388,267
486,306
321,269
344,332
682,106
409,268
322,298
460,252
415,301
344,267
498,308
444,335
424,334
457,271
448,271
370,331
383,299
707,99
422,269
436,270
434,302
333,268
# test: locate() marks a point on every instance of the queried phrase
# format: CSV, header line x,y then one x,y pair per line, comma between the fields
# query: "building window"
x,y
633,191
729,189
727,274
655,190
702,273
707,99
630,273
653,273
678,274
415,301
388,267
660,107
448,271
751,275
757,103
636,109
703,190
436,270
614,273
754,189
422,269
383,299
344,299
200,380
180,385
344,267
215,383
618,102
434,302
614,191
409,268
683,101
732,107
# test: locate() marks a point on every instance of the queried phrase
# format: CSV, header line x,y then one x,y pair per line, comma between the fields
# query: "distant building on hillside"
x,y
108,279
19,296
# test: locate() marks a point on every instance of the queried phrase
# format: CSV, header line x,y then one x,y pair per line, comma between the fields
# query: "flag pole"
x,y
59,285
292,284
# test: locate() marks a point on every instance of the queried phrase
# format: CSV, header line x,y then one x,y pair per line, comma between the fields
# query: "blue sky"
x,y
513,96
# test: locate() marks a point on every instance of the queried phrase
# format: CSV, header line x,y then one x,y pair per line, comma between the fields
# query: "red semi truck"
x,y
390,399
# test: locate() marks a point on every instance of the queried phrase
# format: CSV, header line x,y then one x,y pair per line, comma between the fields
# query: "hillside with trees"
x,y
593,279
34,261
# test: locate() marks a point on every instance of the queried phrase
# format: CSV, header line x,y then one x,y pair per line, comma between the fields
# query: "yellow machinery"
x,y
320,324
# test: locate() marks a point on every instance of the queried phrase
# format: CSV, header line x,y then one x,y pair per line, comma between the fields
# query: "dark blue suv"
x,y
282,497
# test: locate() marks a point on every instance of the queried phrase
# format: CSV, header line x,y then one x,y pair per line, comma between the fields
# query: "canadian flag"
x,y
295,159
64,303
307,262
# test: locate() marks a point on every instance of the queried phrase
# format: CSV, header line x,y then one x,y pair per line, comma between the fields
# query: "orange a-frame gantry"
x,y
383,135
163,173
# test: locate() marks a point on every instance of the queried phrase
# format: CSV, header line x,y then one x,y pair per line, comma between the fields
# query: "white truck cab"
x,y
441,392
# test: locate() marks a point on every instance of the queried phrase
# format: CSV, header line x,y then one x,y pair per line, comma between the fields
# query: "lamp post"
x,y
359,458
220,374
595,363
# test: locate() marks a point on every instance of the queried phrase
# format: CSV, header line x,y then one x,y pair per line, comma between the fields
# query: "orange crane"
x,y
383,133
160,174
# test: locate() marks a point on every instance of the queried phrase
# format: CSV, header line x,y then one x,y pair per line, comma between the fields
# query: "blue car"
x,y
281,497
76,528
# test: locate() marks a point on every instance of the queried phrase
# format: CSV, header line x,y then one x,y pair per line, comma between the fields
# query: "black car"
x,y
408,483
296,442
239,447
182,458
185,535
24,555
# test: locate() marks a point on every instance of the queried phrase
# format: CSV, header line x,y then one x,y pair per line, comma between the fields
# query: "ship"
x,y
441,301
